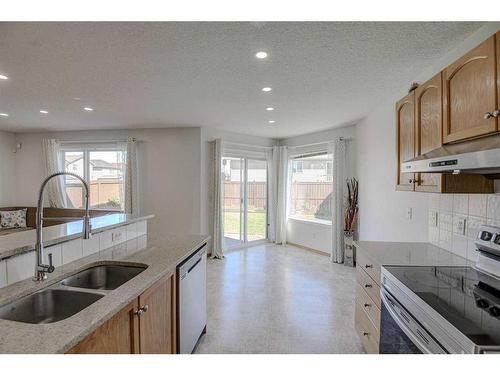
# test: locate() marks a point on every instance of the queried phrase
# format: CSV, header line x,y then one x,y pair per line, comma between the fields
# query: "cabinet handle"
x,y
368,285
410,181
364,333
367,304
368,265
141,310
496,113
488,115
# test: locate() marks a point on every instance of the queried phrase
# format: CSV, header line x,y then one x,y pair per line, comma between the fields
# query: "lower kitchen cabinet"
x,y
157,324
147,325
118,335
367,316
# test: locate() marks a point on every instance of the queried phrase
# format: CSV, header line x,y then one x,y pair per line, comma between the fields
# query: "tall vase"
x,y
349,249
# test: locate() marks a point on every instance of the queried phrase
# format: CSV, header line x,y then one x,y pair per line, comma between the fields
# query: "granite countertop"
x,y
409,254
22,242
161,255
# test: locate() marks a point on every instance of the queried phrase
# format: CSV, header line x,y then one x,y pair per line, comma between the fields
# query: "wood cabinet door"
x,y
497,43
428,129
470,91
405,140
118,335
156,324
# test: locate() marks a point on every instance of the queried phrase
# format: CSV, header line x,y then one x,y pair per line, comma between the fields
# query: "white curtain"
x,y
338,150
280,162
218,223
52,162
272,193
131,205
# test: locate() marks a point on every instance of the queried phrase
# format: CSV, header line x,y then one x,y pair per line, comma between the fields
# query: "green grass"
x,y
256,223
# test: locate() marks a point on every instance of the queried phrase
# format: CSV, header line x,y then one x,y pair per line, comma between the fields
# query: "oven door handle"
x,y
415,332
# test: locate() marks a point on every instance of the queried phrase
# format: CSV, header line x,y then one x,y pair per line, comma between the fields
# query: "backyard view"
x,y
104,170
234,177
311,188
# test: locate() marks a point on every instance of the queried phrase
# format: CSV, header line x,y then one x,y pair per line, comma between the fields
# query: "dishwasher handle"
x,y
191,263
194,265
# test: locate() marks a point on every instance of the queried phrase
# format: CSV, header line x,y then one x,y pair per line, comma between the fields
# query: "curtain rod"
x,y
245,145
99,141
320,143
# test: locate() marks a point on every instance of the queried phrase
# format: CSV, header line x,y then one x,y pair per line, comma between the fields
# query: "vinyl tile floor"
x,y
279,299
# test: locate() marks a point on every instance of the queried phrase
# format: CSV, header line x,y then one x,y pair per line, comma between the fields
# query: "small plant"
x,y
113,202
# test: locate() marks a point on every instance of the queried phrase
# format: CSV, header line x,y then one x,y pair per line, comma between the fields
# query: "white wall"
x,y
383,211
313,235
169,173
8,186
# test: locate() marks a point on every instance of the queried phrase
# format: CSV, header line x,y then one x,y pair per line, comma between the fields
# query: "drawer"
x,y
369,286
367,265
369,336
368,306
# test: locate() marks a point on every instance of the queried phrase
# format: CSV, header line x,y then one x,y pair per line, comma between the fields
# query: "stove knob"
x,y
494,311
482,303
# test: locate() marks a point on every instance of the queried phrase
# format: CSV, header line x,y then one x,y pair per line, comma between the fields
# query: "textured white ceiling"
x,y
205,74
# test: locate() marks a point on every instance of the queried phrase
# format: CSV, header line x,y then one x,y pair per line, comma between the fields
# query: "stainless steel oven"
x,y
401,333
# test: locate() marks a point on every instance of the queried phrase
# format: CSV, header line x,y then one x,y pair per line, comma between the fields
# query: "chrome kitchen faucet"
x,y
42,269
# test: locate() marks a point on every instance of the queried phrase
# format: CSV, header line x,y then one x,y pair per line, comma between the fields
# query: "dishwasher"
x,y
191,300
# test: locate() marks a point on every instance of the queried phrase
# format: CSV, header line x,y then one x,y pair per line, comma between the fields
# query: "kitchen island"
x,y
159,255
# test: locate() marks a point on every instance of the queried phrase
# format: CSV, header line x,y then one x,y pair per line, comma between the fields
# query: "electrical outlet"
x,y
409,213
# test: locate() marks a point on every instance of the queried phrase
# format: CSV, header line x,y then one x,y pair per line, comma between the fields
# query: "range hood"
x,y
480,156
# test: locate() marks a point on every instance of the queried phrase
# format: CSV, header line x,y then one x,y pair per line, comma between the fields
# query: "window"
x,y
311,188
104,170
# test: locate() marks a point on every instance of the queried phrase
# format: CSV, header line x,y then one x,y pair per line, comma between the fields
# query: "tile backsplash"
x,y
454,220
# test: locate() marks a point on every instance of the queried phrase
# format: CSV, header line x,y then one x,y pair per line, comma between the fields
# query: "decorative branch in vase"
x,y
351,207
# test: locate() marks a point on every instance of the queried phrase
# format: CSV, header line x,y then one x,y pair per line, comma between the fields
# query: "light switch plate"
x,y
434,219
461,226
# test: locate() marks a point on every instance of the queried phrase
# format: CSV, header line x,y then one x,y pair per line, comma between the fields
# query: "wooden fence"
x,y
305,197
103,194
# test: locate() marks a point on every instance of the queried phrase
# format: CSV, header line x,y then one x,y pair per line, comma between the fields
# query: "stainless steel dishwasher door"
x,y
192,312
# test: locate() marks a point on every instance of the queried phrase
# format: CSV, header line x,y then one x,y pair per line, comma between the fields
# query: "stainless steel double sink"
x,y
71,295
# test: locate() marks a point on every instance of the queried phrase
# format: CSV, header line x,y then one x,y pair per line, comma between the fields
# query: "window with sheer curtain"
x,y
103,167
311,179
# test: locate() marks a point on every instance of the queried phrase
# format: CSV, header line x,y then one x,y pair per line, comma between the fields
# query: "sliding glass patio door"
x,y
244,200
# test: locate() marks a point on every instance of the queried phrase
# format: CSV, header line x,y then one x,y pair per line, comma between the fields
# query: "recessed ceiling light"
x,y
44,111
269,109
261,55
88,109
76,98
3,77
4,114
266,89
271,121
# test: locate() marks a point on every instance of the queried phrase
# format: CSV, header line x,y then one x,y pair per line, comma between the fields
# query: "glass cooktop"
x,y
465,297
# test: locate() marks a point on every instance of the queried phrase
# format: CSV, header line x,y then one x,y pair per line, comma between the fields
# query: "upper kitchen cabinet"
x,y
419,119
428,125
470,94
405,139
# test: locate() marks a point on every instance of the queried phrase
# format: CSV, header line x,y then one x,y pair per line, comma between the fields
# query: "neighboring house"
x,y
100,169
232,170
